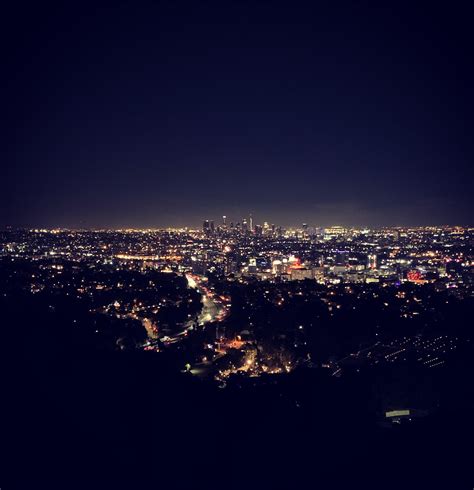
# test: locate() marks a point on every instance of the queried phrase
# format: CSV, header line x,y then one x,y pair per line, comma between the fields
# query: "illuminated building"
x,y
318,273
334,231
278,267
300,273
372,261
339,269
370,280
252,267
415,276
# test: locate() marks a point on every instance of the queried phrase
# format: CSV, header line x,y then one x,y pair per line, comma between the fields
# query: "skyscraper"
x,y
372,261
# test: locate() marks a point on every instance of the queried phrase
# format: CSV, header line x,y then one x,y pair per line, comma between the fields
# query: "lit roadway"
x,y
212,309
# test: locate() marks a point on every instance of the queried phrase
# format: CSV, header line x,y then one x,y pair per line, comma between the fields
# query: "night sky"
x,y
169,113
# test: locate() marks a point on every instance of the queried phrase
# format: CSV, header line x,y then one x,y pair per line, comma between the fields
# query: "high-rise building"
x,y
305,230
372,261
205,226
251,223
212,226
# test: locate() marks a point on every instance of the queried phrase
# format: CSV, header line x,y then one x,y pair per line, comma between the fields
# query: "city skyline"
x,y
198,224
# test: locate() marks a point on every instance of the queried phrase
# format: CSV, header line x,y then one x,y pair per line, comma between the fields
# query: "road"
x,y
213,310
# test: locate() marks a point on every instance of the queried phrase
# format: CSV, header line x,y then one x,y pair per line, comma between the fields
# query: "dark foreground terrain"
x,y
76,415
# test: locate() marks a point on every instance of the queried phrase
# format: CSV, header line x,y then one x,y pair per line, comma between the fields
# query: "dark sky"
x,y
168,113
